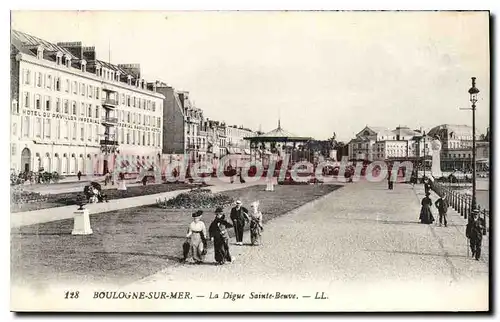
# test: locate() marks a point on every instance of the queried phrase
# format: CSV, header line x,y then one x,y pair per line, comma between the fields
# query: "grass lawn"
x,y
132,243
67,199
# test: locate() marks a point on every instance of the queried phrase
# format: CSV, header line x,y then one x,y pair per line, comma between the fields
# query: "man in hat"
x,y
239,216
219,235
474,231
442,207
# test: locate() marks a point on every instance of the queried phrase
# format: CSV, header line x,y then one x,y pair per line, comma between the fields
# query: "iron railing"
x,y
462,203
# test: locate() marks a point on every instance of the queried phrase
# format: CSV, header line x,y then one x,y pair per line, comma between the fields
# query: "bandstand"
x,y
276,144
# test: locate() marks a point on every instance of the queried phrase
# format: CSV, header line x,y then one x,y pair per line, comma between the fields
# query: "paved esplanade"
x,y
362,245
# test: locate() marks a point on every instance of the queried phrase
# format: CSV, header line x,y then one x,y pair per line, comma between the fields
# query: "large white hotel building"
x,y
71,112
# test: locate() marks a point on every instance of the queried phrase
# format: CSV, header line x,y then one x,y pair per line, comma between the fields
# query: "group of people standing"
x,y
197,238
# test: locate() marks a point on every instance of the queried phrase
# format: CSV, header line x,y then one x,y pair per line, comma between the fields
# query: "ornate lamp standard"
x,y
473,91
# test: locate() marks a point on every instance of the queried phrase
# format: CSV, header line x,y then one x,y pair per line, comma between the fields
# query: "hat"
x,y
475,212
197,214
218,210
238,202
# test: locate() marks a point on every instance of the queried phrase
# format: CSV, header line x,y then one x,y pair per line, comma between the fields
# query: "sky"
x,y
319,72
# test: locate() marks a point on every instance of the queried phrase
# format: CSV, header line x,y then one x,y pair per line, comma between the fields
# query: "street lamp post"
x,y
424,163
473,91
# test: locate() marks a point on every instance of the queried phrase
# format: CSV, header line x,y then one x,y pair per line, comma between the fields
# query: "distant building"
x,y
456,151
378,143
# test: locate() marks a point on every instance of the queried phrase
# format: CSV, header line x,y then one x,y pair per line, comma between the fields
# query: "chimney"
x,y
133,69
88,53
74,47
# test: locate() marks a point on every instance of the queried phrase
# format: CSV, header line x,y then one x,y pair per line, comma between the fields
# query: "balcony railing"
x,y
108,142
109,102
109,120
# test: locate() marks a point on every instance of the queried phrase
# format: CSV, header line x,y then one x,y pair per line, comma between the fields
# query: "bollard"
x,y
81,223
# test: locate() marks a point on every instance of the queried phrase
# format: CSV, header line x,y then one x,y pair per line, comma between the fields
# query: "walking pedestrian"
x,y
425,212
79,175
256,226
442,207
196,236
474,231
239,216
219,235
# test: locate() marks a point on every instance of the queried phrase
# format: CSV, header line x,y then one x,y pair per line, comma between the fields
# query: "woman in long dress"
x,y
425,212
256,226
196,236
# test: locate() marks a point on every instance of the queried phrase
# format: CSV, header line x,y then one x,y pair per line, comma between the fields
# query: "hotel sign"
x,y
61,116
139,127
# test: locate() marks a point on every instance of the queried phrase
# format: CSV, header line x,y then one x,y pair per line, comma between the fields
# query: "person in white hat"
x,y
239,216
196,236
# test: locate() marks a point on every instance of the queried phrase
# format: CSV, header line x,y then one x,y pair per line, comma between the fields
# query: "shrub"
x,y
196,198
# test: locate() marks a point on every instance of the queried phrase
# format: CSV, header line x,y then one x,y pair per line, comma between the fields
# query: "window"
x,y
121,136
58,129
128,100
89,111
73,108
123,99
58,84
82,132
134,116
90,90
128,117
13,149
97,112
37,101
74,131
67,86
133,136
38,79
14,129
26,98
97,92
128,137
74,87
82,89
26,76
148,141
154,106
134,101
154,139
38,127
26,126
49,81
143,138
47,103
66,130
82,109
46,128
58,105
58,60
89,132
96,133
66,107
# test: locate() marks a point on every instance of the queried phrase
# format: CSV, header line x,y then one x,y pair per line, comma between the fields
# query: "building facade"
x,y
382,144
72,112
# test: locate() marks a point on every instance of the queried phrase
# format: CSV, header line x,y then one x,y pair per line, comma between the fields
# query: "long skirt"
x,y
197,247
255,233
221,250
426,216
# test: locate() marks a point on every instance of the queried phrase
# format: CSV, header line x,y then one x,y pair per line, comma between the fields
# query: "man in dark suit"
x,y
474,231
239,216
442,207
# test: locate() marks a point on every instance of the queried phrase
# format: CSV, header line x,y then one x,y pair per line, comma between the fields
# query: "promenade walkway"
x,y
51,214
361,245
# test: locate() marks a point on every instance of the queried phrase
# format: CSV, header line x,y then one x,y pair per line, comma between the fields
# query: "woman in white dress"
x,y
256,226
196,235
